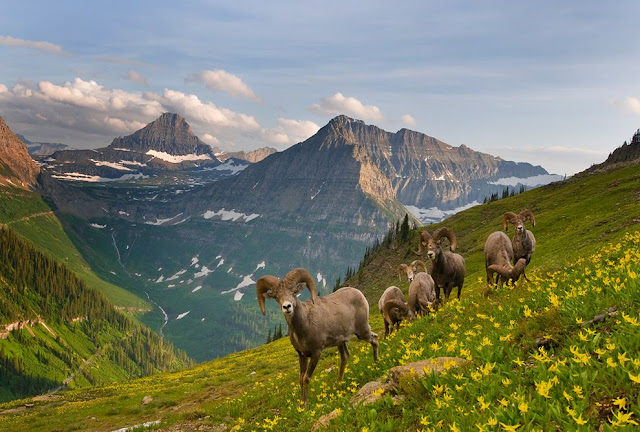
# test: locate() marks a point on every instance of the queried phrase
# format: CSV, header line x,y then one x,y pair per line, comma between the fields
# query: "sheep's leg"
x,y
344,356
311,367
304,361
387,329
459,291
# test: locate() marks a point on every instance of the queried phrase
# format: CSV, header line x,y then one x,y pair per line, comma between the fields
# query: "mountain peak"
x,y
170,133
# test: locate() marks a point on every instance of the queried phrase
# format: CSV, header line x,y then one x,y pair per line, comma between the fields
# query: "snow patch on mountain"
x,y
434,214
534,181
74,176
177,159
231,215
182,315
229,165
95,225
113,165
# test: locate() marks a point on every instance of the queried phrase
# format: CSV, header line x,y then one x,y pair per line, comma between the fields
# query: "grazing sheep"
x,y
393,308
448,267
498,251
422,290
524,243
509,273
422,294
320,322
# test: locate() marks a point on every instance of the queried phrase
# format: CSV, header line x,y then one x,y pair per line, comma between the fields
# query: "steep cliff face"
x,y
15,163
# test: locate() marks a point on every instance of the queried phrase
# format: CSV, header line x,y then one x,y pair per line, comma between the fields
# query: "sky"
x,y
546,82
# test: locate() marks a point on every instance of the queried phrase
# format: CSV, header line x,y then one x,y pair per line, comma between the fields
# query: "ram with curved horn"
x,y
448,267
422,288
523,242
393,309
320,322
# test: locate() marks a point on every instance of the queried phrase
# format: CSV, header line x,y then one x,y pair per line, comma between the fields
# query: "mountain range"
x,y
194,248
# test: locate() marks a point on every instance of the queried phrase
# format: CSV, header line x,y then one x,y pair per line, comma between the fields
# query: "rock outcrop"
x,y
16,164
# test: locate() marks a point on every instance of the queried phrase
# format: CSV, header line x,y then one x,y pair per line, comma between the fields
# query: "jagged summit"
x,y
170,133
15,161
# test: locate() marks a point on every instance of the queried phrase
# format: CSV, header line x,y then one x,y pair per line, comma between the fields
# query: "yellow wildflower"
x,y
492,421
504,402
567,396
483,405
634,378
622,358
579,420
622,419
523,407
621,403
510,428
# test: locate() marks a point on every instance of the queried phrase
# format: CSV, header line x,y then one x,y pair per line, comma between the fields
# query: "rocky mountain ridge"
x,y
166,144
253,156
16,165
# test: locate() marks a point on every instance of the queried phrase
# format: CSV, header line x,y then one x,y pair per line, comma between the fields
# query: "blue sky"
x,y
547,82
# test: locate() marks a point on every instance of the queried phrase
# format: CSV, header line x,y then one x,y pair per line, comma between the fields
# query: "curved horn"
x,y
416,263
508,217
302,275
504,271
423,238
528,214
386,310
402,270
448,233
264,285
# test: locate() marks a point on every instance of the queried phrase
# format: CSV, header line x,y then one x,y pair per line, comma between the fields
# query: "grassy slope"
x,y
29,216
578,269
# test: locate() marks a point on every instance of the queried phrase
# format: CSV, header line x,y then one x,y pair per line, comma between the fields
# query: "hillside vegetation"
x,y
58,332
585,376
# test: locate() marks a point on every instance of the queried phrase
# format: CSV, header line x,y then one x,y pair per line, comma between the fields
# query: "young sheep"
x,y
422,288
393,308
448,267
497,251
509,273
524,243
320,322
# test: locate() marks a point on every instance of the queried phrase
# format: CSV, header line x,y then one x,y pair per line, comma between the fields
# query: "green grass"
x,y
587,260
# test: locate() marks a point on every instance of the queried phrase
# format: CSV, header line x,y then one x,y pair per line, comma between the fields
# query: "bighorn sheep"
x,y
393,309
524,243
508,272
498,254
448,267
320,322
422,288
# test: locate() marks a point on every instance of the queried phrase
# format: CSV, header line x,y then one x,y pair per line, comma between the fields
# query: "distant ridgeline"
x,y
52,327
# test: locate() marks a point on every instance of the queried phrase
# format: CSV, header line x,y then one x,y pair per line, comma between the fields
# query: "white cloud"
x,y
123,126
408,120
219,80
339,104
39,45
192,108
290,131
136,77
3,88
210,139
628,104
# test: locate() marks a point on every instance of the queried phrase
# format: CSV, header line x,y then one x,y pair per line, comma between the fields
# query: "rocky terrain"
x,y
16,166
